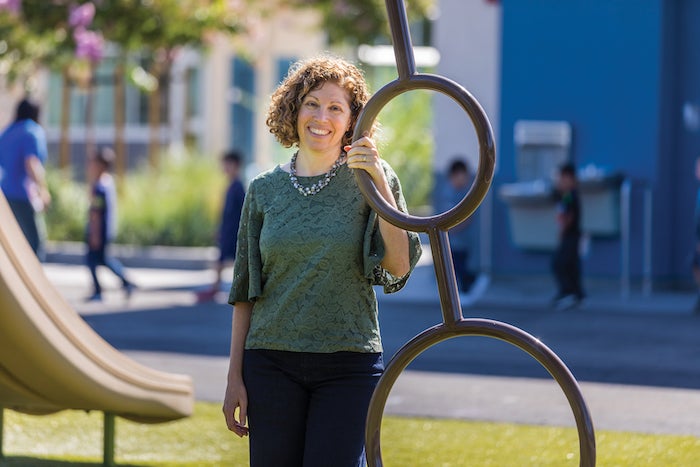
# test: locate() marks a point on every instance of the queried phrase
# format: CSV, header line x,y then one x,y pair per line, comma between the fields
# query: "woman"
x,y
305,344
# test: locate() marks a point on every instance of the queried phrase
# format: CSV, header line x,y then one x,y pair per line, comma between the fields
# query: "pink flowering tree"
x,y
158,30
50,34
89,50
11,6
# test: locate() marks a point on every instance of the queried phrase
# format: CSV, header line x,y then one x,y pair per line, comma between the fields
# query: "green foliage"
x,y
160,25
202,440
360,21
40,34
176,204
25,46
67,214
406,142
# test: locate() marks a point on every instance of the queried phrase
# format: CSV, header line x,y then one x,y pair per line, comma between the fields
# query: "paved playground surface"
x,y
637,358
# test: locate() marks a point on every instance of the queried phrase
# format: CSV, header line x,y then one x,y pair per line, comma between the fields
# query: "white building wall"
x,y
467,33
12,94
468,37
291,33
213,125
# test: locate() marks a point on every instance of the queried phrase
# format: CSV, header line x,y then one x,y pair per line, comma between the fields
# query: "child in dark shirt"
x,y
227,234
566,263
101,226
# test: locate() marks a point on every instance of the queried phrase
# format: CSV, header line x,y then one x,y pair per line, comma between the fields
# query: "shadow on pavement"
x,y
651,349
647,349
202,329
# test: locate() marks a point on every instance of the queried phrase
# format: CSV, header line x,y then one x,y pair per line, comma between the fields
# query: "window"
x,y
136,104
243,107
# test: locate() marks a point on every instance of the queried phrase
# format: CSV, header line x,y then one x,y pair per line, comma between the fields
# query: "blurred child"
x,y
101,227
459,179
227,234
566,263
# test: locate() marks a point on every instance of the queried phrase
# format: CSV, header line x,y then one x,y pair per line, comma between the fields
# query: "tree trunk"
x,y
154,103
90,145
121,162
64,144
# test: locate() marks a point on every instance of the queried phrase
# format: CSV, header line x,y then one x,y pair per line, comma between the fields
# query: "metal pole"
x,y
2,425
437,227
401,37
108,439
648,208
625,229
445,275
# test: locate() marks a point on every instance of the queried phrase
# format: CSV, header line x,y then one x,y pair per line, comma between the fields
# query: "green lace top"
x,y
308,264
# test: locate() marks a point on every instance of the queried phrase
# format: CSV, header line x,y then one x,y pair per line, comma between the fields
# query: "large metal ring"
x,y
487,328
487,153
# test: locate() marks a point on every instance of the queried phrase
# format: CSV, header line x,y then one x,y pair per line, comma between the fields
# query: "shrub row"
x,y
178,204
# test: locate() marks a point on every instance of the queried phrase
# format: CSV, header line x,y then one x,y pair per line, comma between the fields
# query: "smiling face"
x,y
323,120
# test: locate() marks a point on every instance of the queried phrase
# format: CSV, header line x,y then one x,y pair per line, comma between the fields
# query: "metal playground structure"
x,y
437,227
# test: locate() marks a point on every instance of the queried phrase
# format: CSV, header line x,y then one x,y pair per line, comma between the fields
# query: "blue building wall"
x,y
611,69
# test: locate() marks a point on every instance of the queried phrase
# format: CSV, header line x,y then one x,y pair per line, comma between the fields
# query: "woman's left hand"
x,y
363,154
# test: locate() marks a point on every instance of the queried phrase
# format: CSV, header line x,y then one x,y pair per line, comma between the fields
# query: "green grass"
x,y
74,438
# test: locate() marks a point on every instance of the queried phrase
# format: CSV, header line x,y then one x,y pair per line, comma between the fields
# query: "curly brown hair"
x,y
305,76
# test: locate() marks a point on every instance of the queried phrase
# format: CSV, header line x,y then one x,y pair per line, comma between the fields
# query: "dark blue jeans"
x,y
308,409
28,222
566,265
99,257
465,278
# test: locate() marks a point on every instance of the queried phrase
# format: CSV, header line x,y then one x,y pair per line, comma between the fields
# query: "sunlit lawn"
x,y
75,439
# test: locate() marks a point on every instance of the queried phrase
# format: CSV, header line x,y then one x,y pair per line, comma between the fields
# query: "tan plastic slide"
x,y
50,359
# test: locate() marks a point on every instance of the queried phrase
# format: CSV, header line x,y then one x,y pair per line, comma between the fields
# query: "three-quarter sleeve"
x,y
373,246
247,270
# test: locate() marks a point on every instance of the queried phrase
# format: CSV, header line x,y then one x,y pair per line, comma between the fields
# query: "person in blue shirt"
x,y
459,179
102,226
227,234
23,154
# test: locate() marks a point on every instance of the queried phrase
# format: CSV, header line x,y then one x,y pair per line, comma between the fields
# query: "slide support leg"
x,y
2,425
108,439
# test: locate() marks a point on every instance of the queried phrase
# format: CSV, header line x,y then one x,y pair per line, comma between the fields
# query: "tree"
x,y
360,21
54,35
156,31
67,35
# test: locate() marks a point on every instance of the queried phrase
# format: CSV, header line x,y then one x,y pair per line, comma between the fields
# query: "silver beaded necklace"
x,y
319,185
